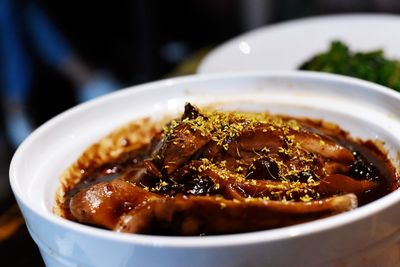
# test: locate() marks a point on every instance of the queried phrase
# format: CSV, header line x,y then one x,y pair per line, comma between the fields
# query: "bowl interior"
x,y
365,110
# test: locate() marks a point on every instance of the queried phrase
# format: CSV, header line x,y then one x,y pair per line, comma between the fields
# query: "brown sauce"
x,y
217,173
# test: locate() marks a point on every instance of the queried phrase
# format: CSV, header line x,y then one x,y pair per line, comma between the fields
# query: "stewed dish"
x,y
212,172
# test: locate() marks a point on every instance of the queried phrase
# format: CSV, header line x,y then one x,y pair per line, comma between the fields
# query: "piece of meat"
x,y
259,138
332,167
102,204
194,215
263,137
180,144
324,146
323,154
123,206
142,172
230,186
341,184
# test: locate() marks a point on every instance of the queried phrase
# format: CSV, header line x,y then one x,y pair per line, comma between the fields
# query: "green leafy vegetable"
x,y
371,66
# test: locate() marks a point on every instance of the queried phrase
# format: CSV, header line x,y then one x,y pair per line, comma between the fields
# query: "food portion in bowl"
x,y
371,66
218,172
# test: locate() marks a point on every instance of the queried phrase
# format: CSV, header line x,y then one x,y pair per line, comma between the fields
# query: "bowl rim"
x,y
240,239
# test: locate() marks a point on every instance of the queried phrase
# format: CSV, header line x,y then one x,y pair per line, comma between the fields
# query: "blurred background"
x,y
56,54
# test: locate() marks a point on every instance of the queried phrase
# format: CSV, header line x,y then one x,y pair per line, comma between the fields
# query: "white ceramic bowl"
x,y
367,236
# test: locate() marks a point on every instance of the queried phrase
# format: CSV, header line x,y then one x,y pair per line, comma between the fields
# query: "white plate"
x,y
287,45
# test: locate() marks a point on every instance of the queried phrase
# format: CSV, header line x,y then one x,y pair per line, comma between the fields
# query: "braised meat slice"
x,y
233,186
180,142
102,204
125,207
197,215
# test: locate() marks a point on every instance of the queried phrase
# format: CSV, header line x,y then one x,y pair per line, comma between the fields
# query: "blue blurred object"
x,y
49,43
16,68
101,83
18,127
16,72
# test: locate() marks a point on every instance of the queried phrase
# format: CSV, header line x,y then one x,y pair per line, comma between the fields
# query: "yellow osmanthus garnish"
x,y
222,127
159,186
